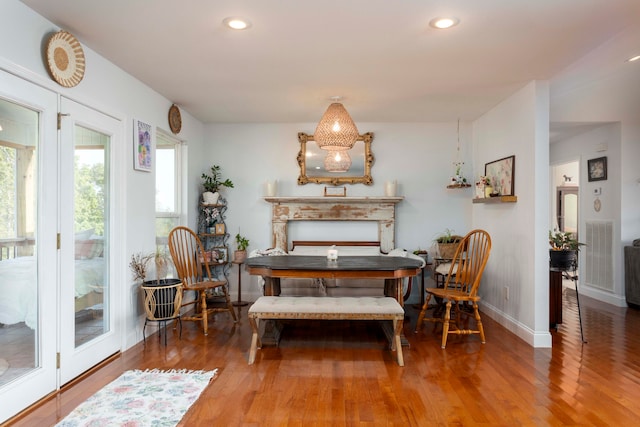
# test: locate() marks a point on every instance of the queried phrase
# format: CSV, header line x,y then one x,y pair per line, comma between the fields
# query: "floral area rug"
x,y
141,398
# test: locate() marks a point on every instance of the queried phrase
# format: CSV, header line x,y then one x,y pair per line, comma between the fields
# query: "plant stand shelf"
x,y
499,199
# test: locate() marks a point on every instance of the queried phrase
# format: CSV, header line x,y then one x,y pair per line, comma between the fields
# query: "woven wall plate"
x,y
175,119
65,59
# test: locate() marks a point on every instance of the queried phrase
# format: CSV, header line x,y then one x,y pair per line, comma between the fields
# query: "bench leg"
x,y
397,343
255,340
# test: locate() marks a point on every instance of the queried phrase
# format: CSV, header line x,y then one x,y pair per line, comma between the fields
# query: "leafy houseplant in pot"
x,y
447,243
563,252
241,252
212,183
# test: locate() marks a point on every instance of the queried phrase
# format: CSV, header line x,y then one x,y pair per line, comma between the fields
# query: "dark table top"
x,y
353,263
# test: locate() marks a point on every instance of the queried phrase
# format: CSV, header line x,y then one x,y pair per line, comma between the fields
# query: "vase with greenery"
x,y
140,266
212,183
563,251
241,248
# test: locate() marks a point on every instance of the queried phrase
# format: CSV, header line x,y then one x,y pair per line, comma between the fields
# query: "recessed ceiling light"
x,y
634,58
236,23
444,23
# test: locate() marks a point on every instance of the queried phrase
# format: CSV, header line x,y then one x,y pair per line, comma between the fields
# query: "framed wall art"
x,y
501,174
143,146
220,228
597,169
220,254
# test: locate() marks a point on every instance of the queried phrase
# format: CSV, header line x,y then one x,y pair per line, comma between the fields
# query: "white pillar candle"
x,y
332,253
390,188
272,187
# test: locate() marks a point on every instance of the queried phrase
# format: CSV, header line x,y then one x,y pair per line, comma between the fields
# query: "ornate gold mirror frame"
x,y
311,158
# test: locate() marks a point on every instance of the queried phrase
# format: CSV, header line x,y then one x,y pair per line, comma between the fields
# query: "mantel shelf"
x,y
334,199
499,199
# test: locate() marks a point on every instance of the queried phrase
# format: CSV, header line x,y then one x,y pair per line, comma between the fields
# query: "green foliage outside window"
x,y
89,198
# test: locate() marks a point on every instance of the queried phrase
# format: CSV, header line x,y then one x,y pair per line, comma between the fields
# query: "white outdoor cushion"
x,y
444,268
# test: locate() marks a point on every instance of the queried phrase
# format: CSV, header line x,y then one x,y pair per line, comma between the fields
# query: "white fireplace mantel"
x,y
379,209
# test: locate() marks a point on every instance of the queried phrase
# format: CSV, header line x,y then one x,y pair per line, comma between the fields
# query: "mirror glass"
x,y
311,160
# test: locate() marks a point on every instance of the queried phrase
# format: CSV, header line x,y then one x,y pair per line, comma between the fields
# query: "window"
x,y
17,198
168,185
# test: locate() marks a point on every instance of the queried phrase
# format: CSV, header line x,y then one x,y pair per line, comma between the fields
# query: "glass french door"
x,y
89,333
28,254
57,316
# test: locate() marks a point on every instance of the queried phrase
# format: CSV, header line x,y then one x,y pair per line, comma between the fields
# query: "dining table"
x,y
390,268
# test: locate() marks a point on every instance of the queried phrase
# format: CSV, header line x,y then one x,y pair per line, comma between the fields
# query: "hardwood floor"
x,y
341,373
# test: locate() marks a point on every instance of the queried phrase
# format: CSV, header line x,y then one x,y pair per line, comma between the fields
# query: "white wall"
x,y
610,94
107,88
518,126
419,156
604,140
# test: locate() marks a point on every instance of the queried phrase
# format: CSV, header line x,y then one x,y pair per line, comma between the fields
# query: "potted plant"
x,y
162,260
564,248
138,266
241,248
212,183
447,243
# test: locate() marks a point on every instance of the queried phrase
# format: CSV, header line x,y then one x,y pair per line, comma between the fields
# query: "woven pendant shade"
x,y
337,161
336,131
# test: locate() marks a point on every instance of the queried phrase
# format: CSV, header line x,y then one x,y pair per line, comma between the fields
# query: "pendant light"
x,y
337,161
336,130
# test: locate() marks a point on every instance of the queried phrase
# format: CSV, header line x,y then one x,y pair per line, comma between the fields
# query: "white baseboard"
x,y
604,296
537,339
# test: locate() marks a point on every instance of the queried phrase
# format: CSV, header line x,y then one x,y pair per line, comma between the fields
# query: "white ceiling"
x,y
380,55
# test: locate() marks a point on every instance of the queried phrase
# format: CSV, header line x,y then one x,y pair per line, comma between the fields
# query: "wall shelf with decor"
x,y
498,199
456,186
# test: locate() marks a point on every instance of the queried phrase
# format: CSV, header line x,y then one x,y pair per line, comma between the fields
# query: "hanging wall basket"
x,y
65,59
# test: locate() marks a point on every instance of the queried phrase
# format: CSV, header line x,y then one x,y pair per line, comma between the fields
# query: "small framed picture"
x,y
143,146
597,169
335,191
220,254
220,228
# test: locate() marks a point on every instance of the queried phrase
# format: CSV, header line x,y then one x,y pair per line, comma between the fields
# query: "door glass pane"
x,y
571,213
91,234
19,136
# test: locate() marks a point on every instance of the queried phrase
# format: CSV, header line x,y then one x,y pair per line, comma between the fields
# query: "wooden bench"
x,y
327,308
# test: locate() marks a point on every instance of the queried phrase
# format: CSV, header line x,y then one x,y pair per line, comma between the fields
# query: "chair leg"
x,y
480,328
203,307
445,327
422,313
144,338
